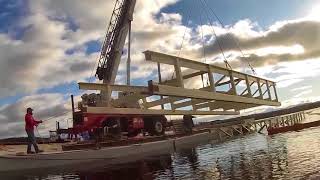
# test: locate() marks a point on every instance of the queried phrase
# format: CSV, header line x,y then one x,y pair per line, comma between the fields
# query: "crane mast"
x,y
113,45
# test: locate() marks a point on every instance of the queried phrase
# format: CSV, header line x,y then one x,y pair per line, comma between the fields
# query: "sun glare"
x,y
315,13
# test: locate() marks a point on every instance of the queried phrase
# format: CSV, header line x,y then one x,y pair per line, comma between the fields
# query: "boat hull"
x,y
108,156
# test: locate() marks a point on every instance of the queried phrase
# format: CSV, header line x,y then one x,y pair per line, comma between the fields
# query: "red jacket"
x,y
30,122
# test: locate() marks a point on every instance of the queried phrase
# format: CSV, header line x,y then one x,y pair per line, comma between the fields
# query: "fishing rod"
x,y
40,135
52,117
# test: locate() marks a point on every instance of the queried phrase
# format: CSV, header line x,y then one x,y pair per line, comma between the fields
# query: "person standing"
x,y
29,127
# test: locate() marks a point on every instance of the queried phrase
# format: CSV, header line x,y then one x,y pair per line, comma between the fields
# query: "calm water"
x,y
294,155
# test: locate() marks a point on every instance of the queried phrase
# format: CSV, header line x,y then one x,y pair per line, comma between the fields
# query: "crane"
x,y
113,45
144,108
111,51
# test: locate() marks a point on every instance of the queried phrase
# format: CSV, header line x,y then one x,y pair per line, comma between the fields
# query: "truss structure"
x,y
226,92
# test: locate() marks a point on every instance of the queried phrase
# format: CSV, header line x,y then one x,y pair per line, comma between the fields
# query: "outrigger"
x,y
130,110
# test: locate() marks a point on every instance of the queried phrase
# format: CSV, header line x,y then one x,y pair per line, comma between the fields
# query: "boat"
x,y
17,161
295,127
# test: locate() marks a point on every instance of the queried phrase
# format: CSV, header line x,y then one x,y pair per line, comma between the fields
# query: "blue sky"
x,y
10,13
230,11
46,47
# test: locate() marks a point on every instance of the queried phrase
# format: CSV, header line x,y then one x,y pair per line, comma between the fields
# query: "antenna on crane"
x,y
129,55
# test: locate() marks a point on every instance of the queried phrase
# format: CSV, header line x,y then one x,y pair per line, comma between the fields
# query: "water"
x,y
294,155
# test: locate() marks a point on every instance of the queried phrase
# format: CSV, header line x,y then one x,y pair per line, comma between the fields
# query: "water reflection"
x,y
244,161
143,170
286,156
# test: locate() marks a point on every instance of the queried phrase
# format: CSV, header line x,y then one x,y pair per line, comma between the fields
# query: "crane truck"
x,y
118,30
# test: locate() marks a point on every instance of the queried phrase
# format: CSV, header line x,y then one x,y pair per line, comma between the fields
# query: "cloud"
x,y
39,60
304,33
303,93
303,88
284,41
288,82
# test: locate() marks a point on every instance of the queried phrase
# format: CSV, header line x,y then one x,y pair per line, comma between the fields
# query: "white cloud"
x,y
303,88
288,82
303,93
39,60
314,13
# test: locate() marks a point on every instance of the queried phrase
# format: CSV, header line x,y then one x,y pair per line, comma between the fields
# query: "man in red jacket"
x,y
30,123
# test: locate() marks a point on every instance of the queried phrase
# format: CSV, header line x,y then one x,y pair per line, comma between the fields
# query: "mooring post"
x,y
268,89
270,123
287,120
300,117
72,105
294,119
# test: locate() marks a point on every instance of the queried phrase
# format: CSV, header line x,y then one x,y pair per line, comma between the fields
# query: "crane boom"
x,y
115,38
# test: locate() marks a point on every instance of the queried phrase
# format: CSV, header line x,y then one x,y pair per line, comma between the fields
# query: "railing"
x,y
248,126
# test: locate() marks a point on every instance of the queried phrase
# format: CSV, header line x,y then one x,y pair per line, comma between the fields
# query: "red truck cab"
x,y
129,124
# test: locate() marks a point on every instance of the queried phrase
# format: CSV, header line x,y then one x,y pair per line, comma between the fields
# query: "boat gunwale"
x,y
38,156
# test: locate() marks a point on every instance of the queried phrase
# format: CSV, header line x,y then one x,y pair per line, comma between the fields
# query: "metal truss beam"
x,y
199,94
135,111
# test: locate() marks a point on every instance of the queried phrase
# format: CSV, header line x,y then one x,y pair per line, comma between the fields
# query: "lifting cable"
x,y
52,117
205,4
183,38
228,66
203,46
55,116
217,39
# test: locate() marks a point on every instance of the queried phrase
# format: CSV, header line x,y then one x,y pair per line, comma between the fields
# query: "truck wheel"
x,y
157,127
133,134
110,123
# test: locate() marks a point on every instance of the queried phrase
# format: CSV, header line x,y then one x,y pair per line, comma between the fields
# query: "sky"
x,y
47,46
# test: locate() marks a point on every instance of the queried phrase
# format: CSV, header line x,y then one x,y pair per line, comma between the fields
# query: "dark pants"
x,y
32,141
